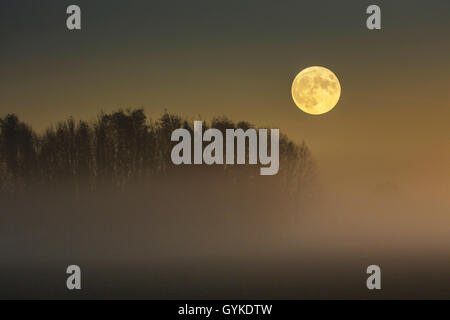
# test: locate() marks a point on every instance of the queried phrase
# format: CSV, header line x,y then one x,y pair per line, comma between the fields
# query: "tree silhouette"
x,y
124,147
17,149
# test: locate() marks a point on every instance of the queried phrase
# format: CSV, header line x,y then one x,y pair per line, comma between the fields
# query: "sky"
x,y
238,58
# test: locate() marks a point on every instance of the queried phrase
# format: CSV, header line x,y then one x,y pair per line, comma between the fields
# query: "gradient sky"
x,y
238,58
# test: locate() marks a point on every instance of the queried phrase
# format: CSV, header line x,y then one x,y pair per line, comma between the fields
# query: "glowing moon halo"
x,y
316,90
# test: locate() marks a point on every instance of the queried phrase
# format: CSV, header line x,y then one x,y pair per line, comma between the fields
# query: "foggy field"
x,y
106,197
165,243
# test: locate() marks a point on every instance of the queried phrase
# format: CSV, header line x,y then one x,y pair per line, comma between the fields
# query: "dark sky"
x,y
238,58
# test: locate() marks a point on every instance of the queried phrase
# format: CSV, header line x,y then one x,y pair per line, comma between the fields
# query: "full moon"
x,y
316,90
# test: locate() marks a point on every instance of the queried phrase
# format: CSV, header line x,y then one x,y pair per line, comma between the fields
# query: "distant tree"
x,y
17,149
163,131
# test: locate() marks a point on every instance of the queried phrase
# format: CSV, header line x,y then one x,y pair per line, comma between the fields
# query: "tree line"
x,y
120,148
